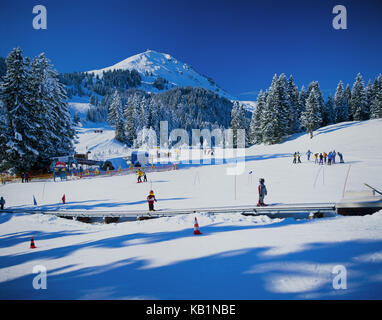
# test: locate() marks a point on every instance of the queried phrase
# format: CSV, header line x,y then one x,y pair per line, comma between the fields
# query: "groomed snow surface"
x,y
236,257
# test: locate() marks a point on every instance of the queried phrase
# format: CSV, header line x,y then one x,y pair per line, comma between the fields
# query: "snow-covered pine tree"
x,y
369,94
271,128
341,109
285,121
238,121
358,104
255,135
320,100
376,106
19,148
347,100
294,108
303,95
116,116
311,118
43,113
129,124
62,124
329,109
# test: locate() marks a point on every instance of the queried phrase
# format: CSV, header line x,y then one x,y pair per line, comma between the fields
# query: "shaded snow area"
x,y
236,257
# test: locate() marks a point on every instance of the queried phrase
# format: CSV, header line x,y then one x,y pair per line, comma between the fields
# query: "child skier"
x,y
2,203
139,175
308,154
262,193
150,199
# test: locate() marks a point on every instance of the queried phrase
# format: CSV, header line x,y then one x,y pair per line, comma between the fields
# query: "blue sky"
x,y
240,44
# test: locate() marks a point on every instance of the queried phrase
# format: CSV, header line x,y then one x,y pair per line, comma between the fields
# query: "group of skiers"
x,y
297,157
25,177
320,158
328,158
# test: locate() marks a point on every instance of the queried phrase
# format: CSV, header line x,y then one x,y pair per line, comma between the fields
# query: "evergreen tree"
x,y
358,106
255,134
129,124
271,128
320,100
347,95
238,122
116,116
376,106
294,108
311,118
284,114
341,109
329,109
303,95
18,149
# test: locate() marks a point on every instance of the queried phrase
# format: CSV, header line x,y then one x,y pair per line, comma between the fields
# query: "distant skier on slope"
x,y
298,157
2,203
150,199
139,175
308,154
262,193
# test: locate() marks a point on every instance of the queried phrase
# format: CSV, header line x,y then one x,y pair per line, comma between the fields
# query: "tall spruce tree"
x,y
320,99
255,132
238,121
358,103
116,116
294,107
341,109
272,128
19,152
311,118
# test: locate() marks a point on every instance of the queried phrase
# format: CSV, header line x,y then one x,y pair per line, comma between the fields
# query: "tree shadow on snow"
x,y
245,274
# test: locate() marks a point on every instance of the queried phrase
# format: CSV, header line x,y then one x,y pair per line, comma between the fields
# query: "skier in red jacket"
x,y
150,199
262,193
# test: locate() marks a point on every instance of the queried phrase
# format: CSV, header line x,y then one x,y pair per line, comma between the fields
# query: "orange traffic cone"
x,y
32,244
63,199
196,227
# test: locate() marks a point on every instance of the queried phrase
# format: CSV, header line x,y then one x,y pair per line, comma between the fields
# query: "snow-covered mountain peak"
x,y
152,64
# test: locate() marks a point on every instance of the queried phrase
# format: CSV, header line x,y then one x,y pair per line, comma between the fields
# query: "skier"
x,y
325,156
341,157
139,175
334,156
316,158
298,157
150,199
330,156
308,154
262,193
2,203
144,177
294,157
22,177
321,159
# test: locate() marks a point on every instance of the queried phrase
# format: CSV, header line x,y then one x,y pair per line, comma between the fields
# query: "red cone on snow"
x,y
32,244
196,227
63,199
